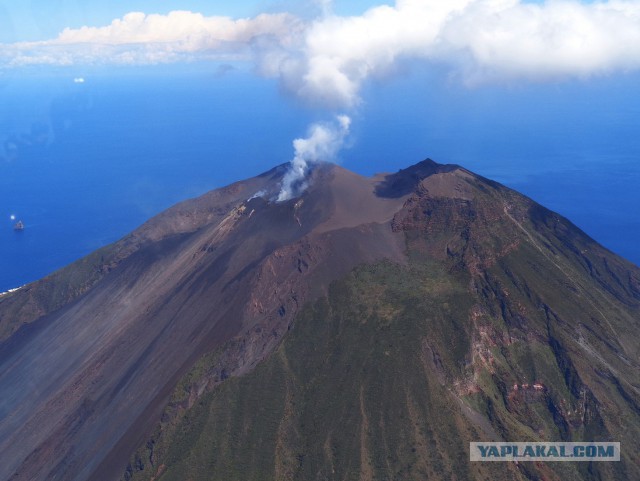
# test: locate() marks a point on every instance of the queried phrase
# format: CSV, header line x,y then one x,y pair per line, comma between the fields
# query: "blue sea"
x,y
82,164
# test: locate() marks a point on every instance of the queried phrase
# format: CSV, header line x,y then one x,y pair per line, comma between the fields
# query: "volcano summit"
x,y
368,329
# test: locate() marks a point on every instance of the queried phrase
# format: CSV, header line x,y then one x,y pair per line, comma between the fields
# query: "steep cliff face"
x,y
368,329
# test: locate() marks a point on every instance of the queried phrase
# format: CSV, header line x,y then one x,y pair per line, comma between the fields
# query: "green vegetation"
x,y
348,394
507,324
354,392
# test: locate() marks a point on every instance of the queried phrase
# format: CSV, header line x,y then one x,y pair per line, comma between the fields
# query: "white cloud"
x,y
191,31
545,41
328,60
478,39
138,38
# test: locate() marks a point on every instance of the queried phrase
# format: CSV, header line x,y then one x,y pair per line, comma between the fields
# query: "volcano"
x,y
368,329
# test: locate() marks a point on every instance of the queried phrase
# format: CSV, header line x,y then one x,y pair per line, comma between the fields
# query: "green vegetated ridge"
x,y
500,327
354,392
349,392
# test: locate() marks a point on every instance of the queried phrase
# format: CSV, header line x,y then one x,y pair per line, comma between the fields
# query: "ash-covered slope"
x,y
465,290
92,352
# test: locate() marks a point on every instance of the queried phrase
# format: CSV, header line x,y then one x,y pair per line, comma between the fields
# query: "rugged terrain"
x,y
368,329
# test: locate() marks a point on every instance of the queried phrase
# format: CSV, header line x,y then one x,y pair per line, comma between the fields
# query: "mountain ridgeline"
x,y
368,329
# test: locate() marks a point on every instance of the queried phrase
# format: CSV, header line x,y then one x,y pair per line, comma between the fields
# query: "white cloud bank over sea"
x,y
138,38
328,59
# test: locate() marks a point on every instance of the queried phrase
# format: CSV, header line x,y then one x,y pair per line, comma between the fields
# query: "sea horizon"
x,y
84,163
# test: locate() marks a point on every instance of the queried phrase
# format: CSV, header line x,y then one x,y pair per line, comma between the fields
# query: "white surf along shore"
x,y
10,291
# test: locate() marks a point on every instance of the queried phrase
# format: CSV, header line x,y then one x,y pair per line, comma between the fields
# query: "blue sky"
x,y
43,19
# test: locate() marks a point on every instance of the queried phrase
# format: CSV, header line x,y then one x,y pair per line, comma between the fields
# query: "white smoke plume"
x,y
322,143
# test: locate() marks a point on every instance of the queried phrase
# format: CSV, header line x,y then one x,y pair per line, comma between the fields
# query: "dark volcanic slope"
x,y
505,322
104,341
480,290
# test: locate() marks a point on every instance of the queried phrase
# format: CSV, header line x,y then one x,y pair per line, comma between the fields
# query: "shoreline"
x,y
10,291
